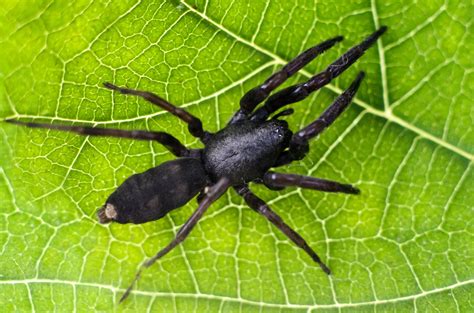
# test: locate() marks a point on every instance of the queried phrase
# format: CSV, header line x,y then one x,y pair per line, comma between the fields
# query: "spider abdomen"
x,y
150,195
244,151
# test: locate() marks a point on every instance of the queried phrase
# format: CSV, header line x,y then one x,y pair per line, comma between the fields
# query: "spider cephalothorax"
x,y
243,152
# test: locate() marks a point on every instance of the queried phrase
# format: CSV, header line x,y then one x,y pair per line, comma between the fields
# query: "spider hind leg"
x,y
214,192
167,140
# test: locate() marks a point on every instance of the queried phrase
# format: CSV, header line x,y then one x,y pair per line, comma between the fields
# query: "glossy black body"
x,y
245,151
253,141
242,152
150,195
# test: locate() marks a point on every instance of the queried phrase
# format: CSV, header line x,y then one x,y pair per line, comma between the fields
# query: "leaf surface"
x,y
407,142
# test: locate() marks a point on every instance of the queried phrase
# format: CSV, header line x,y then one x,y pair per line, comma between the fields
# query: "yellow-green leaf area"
x,y
407,142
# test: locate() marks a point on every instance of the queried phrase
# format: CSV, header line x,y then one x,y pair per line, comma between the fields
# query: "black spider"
x,y
241,153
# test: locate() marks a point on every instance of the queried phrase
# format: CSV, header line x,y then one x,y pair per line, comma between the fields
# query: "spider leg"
x,y
256,95
194,124
279,180
299,145
299,92
200,196
170,142
261,207
212,195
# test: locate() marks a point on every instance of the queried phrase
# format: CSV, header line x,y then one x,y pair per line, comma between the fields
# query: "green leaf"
x,y
407,142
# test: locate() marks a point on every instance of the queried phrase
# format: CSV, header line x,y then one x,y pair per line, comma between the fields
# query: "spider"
x,y
244,151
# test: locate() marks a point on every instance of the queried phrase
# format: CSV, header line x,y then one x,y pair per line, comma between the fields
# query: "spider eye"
x,y
278,132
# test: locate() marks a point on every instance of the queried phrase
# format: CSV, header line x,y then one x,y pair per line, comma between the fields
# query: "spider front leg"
x,y
256,95
194,124
214,192
301,91
261,207
299,143
170,142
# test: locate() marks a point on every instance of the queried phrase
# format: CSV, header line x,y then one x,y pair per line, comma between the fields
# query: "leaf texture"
x,y
407,142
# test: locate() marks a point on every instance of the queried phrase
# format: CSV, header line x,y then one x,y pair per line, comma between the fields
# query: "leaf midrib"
x,y
387,114
367,109
154,294
277,60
